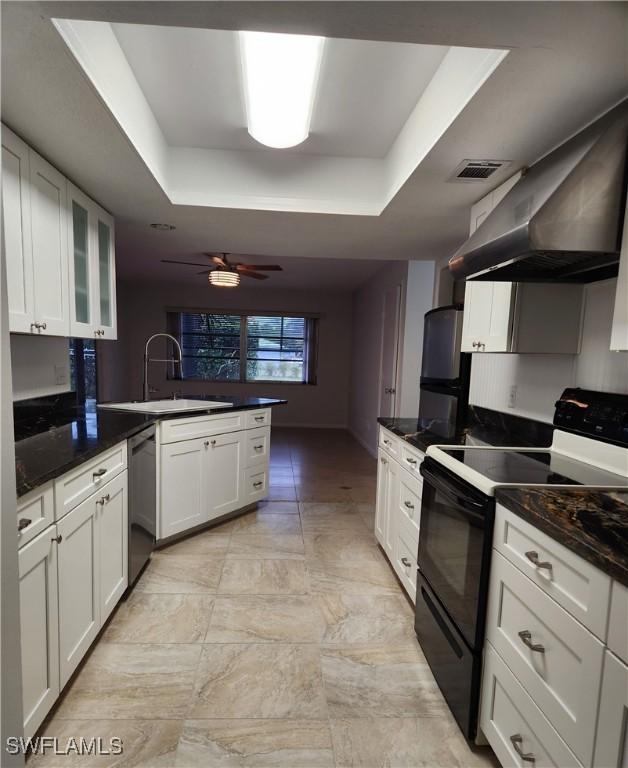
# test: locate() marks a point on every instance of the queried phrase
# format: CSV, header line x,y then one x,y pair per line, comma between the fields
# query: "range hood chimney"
x,y
562,221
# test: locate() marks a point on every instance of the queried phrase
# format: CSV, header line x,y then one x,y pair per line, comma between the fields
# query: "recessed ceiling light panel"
x,y
280,74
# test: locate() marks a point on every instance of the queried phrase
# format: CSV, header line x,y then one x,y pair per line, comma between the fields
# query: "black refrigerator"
x,y
445,372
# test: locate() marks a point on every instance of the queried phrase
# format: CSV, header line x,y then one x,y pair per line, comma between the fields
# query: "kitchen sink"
x,y
166,406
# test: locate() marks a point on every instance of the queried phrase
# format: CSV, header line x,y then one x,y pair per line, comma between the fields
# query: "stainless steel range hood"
x,y
562,221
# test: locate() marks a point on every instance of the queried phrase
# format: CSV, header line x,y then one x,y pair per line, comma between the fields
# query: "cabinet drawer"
x,y
513,723
618,621
411,459
258,418
577,585
409,498
74,487
404,560
562,673
192,427
255,484
257,446
35,511
389,443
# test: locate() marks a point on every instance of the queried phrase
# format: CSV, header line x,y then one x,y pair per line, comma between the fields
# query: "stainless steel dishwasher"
x,y
142,501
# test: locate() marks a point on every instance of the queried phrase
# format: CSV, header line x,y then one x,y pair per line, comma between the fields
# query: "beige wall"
x,y
142,312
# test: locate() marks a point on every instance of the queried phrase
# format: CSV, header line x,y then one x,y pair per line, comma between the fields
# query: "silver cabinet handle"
x,y
43,326
98,474
258,447
406,562
408,505
386,442
58,539
384,461
23,522
34,325
533,557
260,418
517,741
103,499
212,442
257,484
206,443
526,637
412,461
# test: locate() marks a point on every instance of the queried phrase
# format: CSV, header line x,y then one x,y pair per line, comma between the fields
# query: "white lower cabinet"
x,y
213,474
553,693
71,577
79,596
611,746
39,628
398,506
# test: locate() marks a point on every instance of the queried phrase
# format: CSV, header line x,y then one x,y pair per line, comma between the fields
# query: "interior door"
x,y
390,351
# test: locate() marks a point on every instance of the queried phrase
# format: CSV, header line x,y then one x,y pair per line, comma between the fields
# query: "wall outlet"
x,y
512,396
61,375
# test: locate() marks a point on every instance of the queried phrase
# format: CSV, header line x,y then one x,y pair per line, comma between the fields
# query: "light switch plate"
x,y
61,374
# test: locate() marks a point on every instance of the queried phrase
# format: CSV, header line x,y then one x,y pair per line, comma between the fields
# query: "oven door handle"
x,y
475,508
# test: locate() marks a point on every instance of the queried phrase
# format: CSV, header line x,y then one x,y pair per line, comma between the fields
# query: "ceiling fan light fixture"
x,y
280,74
224,278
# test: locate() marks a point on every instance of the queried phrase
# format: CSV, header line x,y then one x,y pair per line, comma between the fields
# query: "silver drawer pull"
x,y
260,418
58,539
526,637
258,484
258,447
517,741
412,461
386,442
384,461
23,522
533,557
98,474
406,562
103,499
408,505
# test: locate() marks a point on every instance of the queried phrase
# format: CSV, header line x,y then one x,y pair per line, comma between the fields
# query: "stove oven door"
x,y
454,548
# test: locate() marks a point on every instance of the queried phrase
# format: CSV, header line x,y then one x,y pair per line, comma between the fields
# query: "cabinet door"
x,y
112,531
224,477
105,275
16,219
79,593
49,243
611,745
183,486
39,628
496,337
381,510
82,264
477,315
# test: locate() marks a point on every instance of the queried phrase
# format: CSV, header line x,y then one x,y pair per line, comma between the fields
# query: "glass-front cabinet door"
x,y
106,327
81,264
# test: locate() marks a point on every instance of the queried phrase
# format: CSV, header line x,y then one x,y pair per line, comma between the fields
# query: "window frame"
x,y
310,346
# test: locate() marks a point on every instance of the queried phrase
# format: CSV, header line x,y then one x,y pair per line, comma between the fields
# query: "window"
x,y
220,346
83,371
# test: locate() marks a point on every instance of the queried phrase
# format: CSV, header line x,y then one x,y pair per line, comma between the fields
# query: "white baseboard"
x,y
371,449
306,425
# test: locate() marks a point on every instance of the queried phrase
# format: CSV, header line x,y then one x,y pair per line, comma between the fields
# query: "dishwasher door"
x,y
142,500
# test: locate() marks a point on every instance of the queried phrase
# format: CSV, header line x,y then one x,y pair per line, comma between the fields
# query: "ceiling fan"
x,y
225,273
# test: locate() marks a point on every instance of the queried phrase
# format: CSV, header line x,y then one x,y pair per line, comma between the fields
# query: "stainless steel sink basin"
x,y
156,407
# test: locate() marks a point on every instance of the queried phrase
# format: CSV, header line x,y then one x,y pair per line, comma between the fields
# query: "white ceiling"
x,y
567,64
192,82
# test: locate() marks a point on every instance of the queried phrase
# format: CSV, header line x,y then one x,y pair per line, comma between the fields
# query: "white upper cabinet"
x,y
519,317
92,268
16,218
59,248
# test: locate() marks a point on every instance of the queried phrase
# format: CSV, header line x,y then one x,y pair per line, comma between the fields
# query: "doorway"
x,y
391,312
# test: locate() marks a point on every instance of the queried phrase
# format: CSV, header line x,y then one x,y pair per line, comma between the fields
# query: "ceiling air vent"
x,y
477,170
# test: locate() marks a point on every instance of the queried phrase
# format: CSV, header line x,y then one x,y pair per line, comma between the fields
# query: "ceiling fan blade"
x,y
262,267
205,272
185,263
247,273
218,258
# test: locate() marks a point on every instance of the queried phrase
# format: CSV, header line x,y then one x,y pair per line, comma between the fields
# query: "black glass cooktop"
x,y
534,468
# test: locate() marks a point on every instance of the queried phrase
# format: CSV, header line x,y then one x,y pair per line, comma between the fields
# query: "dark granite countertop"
x,y
484,427
592,523
55,440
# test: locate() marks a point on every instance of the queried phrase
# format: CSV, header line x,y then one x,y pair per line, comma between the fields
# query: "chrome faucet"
x,y
147,360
